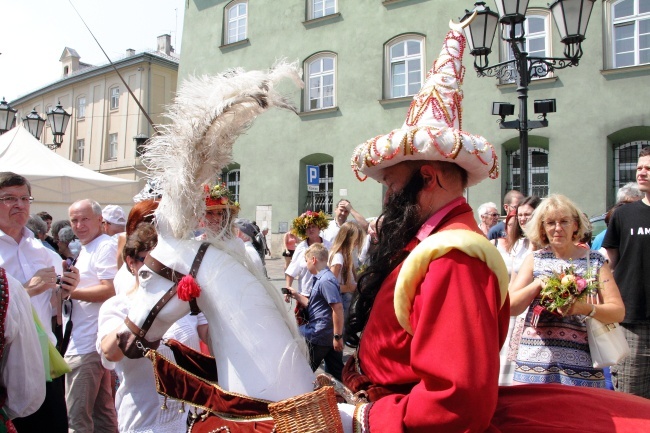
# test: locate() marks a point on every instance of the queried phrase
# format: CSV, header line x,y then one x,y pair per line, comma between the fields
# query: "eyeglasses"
x,y
552,224
12,200
491,214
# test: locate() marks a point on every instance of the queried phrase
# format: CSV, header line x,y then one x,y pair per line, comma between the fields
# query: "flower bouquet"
x,y
561,290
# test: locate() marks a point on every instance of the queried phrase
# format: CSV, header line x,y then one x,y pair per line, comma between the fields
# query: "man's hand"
x,y
69,281
42,280
338,344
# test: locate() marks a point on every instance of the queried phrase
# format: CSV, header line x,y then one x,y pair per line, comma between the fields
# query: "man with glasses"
x,y
88,386
510,202
27,260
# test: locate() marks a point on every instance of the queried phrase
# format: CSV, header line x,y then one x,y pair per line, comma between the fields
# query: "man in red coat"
x,y
433,306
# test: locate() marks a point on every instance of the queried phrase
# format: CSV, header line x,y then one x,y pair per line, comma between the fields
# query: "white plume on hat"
x,y
433,127
209,113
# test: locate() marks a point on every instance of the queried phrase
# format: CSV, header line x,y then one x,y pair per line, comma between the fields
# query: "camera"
x,y
285,291
58,280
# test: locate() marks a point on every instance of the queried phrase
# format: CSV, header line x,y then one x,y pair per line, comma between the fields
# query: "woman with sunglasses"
x,y
136,401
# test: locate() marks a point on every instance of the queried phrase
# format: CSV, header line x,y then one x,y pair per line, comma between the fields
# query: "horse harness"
x,y
133,344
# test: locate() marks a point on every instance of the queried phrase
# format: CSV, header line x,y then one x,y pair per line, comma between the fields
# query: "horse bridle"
x,y
126,341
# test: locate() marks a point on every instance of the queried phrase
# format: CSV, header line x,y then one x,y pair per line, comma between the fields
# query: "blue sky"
x,y
35,32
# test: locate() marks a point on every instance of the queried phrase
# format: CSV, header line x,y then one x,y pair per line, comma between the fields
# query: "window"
x,y
112,146
536,28
404,57
626,157
321,8
80,150
321,82
537,171
236,18
115,98
81,107
323,200
232,182
630,32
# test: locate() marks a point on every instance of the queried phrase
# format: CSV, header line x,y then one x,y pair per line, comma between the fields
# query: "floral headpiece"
x,y
219,197
308,218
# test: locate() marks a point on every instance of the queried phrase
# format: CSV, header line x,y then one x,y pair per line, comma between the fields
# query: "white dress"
x,y
136,401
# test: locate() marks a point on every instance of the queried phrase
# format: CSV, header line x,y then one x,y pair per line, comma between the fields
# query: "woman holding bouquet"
x,y
575,284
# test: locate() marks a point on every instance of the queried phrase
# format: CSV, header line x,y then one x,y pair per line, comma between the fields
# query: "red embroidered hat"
x,y
433,127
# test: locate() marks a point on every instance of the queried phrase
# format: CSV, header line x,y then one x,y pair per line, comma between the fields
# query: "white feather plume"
x,y
208,114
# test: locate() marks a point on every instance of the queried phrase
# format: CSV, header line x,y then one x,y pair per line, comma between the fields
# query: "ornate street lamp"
x,y
34,124
7,116
58,119
571,18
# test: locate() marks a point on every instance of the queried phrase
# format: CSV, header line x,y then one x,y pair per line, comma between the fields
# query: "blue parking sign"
x,y
313,176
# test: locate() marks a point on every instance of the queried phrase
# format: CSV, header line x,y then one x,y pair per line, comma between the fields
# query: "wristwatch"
x,y
337,337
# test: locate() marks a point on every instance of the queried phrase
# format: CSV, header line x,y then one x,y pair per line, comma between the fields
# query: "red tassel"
x,y
188,288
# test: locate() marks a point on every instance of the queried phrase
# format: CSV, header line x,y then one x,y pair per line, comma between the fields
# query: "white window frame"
x,y
80,149
233,181
237,22
115,98
634,20
507,54
112,146
81,107
322,8
391,61
323,94
533,189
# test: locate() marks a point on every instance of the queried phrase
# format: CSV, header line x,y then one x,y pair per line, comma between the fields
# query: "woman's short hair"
x,y
555,203
483,209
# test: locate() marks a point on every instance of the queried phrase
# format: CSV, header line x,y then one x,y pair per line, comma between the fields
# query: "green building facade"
x,y
364,59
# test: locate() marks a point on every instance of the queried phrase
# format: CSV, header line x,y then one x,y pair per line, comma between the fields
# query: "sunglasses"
x,y
140,259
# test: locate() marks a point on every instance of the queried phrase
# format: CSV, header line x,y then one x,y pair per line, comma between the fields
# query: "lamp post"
x,y
571,18
34,124
58,119
7,116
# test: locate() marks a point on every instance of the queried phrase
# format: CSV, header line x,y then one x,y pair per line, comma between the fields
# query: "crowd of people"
x,y
435,295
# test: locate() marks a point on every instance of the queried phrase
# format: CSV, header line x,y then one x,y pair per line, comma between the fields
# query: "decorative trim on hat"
x,y
219,197
433,127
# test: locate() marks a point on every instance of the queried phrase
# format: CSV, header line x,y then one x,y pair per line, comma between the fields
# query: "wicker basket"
x,y
313,412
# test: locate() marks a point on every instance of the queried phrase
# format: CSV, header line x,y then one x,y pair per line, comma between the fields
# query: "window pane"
x,y
539,159
644,6
536,25
314,67
624,9
328,64
412,47
536,45
397,50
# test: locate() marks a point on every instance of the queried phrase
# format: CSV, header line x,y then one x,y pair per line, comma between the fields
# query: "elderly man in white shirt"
x,y
27,260
88,386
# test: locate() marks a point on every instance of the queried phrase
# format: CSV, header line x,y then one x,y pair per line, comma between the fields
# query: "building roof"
x,y
88,71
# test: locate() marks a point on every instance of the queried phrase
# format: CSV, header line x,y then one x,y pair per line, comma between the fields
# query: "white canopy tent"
x,y
57,182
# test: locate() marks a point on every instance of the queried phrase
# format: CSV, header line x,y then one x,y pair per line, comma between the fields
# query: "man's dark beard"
x,y
398,224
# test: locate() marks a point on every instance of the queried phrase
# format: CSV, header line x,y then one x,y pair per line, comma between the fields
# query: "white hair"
x,y
483,209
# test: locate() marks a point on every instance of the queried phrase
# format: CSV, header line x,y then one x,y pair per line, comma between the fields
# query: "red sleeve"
x,y
458,329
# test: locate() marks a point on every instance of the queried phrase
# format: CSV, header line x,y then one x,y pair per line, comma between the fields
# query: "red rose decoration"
x,y
188,289
224,200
